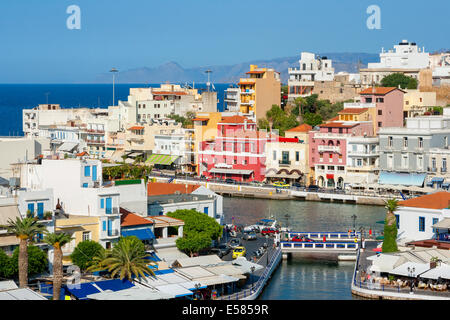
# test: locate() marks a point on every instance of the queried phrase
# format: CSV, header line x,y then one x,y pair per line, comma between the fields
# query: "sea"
x,y
16,97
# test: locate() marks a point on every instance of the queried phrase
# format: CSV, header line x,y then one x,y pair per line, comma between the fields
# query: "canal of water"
x,y
307,279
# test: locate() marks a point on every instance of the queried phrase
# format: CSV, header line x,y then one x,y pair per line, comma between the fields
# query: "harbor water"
x,y
300,278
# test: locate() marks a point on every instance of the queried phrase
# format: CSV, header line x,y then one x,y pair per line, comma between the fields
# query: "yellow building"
x,y
354,114
80,228
259,91
416,102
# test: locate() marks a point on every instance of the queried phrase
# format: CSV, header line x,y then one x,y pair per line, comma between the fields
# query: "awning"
x,y
142,234
8,212
175,289
218,279
437,180
407,179
330,176
230,171
402,270
283,175
164,159
135,154
68,146
443,224
442,271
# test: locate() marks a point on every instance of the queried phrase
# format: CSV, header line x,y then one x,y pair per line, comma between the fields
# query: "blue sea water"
x,y
16,97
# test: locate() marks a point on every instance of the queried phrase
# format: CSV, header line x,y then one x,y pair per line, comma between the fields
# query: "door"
x,y
40,210
94,173
108,205
109,227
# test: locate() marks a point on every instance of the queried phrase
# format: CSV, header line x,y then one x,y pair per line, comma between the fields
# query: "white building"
x,y
362,160
301,80
233,99
417,216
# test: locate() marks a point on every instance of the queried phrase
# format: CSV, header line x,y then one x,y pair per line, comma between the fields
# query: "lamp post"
x,y
411,273
267,246
113,71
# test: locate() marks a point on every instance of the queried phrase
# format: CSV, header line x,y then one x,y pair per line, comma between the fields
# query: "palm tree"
x,y
390,227
24,229
126,259
57,241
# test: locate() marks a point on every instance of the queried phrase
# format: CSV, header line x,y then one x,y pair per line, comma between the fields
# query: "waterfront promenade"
x,y
374,290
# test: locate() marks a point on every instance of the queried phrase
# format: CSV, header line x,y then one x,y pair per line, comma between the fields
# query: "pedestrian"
x,y
324,239
370,232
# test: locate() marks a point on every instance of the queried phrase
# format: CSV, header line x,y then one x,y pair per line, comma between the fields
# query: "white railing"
x,y
329,148
325,246
327,234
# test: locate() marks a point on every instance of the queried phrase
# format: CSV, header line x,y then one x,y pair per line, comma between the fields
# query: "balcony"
x,y
331,135
432,169
89,141
443,170
112,210
113,233
248,91
250,102
284,163
324,148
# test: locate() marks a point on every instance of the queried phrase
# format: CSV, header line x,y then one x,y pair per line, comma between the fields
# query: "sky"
x,y
38,47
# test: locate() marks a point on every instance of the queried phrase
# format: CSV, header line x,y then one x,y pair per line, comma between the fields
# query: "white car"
x,y
253,227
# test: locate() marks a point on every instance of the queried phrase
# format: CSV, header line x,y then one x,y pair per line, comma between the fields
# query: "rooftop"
x,y
353,110
236,119
128,219
162,188
437,200
379,90
176,198
301,128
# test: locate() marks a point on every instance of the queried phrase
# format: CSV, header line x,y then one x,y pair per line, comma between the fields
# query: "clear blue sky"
x,y
37,47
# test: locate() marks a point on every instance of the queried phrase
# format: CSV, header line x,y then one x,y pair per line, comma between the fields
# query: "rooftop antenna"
x,y
208,83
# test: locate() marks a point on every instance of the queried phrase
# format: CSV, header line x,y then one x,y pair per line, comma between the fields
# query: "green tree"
x,y
399,79
127,259
6,270
24,229
84,252
198,231
37,261
276,118
313,119
390,227
57,241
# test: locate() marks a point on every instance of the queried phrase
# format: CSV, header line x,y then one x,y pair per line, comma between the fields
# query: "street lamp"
x,y
411,274
253,279
267,246
113,71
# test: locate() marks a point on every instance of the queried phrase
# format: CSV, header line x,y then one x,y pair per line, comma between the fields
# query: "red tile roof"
x,y
163,188
165,93
235,119
136,128
430,244
255,72
301,128
337,125
437,200
128,219
379,90
84,153
353,110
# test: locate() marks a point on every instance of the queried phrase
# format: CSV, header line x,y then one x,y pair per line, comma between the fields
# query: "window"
x,y
380,112
446,142
435,220
380,100
359,162
390,141
297,156
86,236
274,155
205,210
397,220
31,207
104,226
421,224
85,185
419,162
390,161
420,142
379,124
405,142
102,203
405,162
87,171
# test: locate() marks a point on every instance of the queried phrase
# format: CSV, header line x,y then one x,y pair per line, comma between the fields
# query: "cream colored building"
x,y
416,102
287,158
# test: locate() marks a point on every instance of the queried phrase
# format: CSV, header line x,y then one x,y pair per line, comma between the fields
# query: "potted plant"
x,y
48,215
433,262
29,214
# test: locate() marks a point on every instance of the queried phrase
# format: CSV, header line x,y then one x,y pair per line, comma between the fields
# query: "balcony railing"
x,y
329,149
443,170
284,162
432,169
112,210
113,233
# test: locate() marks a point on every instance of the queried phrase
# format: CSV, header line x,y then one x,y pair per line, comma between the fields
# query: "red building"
x,y
238,152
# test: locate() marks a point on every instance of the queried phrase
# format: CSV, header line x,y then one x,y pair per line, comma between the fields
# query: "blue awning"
x,y
436,179
114,284
142,234
82,290
406,179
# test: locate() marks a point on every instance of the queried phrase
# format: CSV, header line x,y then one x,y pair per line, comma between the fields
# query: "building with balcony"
x,y
238,151
406,58
405,152
287,157
259,91
311,69
328,155
362,161
232,99
416,102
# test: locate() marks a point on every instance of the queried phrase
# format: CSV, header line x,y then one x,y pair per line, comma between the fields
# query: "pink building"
x,y
389,105
238,152
328,150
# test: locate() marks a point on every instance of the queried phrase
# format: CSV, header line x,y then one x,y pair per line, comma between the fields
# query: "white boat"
x,y
346,257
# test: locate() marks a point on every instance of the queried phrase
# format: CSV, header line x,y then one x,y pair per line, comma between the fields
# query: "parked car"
x,y
239,252
234,243
221,250
268,231
250,228
297,185
301,239
249,235
229,180
280,184
313,187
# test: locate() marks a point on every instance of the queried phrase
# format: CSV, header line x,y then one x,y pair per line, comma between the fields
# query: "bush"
x,y
84,252
6,270
37,261
390,238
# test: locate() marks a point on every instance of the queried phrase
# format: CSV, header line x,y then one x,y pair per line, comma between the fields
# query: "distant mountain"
x,y
173,72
